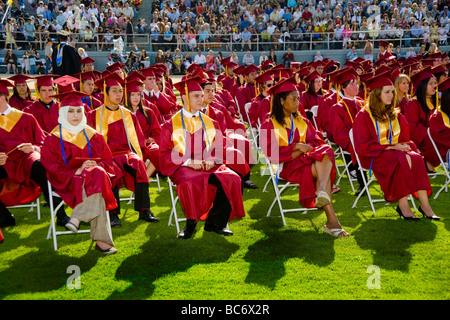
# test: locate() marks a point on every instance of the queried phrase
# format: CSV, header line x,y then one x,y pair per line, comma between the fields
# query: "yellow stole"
x,y
383,129
77,139
281,133
445,118
7,122
104,117
191,125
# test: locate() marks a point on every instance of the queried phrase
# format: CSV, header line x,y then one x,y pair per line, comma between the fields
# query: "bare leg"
x,y
404,207
321,172
424,204
150,169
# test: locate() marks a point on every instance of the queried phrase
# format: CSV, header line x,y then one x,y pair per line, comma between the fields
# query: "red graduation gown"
x,y
19,103
47,118
341,122
309,100
238,147
195,194
440,134
224,97
253,111
298,170
117,141
151,129
21,128
244,95
419,123
323,114
390,167
96,179
167,107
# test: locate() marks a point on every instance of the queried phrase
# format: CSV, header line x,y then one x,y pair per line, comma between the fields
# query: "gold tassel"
x,y
187,98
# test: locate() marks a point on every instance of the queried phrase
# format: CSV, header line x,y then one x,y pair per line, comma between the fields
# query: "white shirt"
x,y
7,111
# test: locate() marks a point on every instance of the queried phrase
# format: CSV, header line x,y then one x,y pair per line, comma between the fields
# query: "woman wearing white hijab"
x,y
81,170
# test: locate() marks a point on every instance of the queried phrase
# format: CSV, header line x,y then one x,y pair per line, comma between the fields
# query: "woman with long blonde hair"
x,y
402,85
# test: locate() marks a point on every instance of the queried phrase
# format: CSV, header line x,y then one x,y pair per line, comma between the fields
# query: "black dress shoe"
x,y
61,222
249,184
405,218
8,222
213,228
188,230
434,217
114,220
147,215
360,189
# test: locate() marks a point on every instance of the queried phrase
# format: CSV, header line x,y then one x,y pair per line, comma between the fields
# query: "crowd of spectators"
x,y
265,24
87,20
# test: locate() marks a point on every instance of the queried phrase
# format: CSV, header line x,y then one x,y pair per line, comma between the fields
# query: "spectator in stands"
x,y
200,59
248,59
11,61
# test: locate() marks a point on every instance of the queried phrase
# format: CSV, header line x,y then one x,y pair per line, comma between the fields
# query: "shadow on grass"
x,y
267,257
390,240
41,270
165,256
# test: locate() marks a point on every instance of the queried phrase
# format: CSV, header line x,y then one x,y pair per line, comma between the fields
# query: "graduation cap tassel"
x,y
187,97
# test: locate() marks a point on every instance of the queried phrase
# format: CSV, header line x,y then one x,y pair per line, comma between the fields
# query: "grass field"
x,y
264,260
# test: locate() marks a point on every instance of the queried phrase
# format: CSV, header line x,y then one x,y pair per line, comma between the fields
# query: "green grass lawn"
x,y
264,260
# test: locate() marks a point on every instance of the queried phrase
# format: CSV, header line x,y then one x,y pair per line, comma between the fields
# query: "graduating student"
x,y
87,85
342,116
166,105
80,168
261,102
45,109
292,140
124,136
439,122
238,146
418,111
313,95
383,144
191,154
247,92
21,139
21,97
148,123
87,64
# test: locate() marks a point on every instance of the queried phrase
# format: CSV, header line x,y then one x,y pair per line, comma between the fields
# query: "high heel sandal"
x,y
433,217
405,218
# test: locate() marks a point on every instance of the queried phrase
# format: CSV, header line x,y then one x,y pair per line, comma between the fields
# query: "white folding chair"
x,y
346,169
52,233
155,179
31,205
279,189
174,200
368,182
444,166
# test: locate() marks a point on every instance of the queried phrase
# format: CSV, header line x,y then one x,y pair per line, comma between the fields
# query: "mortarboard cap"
x,y
87,60
190,84
378,81
20,78
4,84
70,99
285,85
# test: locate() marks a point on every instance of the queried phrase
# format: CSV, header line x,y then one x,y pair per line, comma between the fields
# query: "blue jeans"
x,y
48,64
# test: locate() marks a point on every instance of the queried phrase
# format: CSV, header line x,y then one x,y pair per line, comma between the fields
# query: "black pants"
x,y
141,192
221,209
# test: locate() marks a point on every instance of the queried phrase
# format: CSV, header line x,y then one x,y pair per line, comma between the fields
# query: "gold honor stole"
x,y
281,132
7,122
445,118
182,124
77,139
104,117
388,132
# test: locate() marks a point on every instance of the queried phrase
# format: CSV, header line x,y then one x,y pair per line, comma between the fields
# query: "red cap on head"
x,y
383,43
266,76
147,72
345,75
65,83
20,78
286,85
110,80
249,69
45,80
134,85
4,84
191,84
118,66
193,67
87,60
423,74
70,99
88,75
444,85
379,81
135,75
312,76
